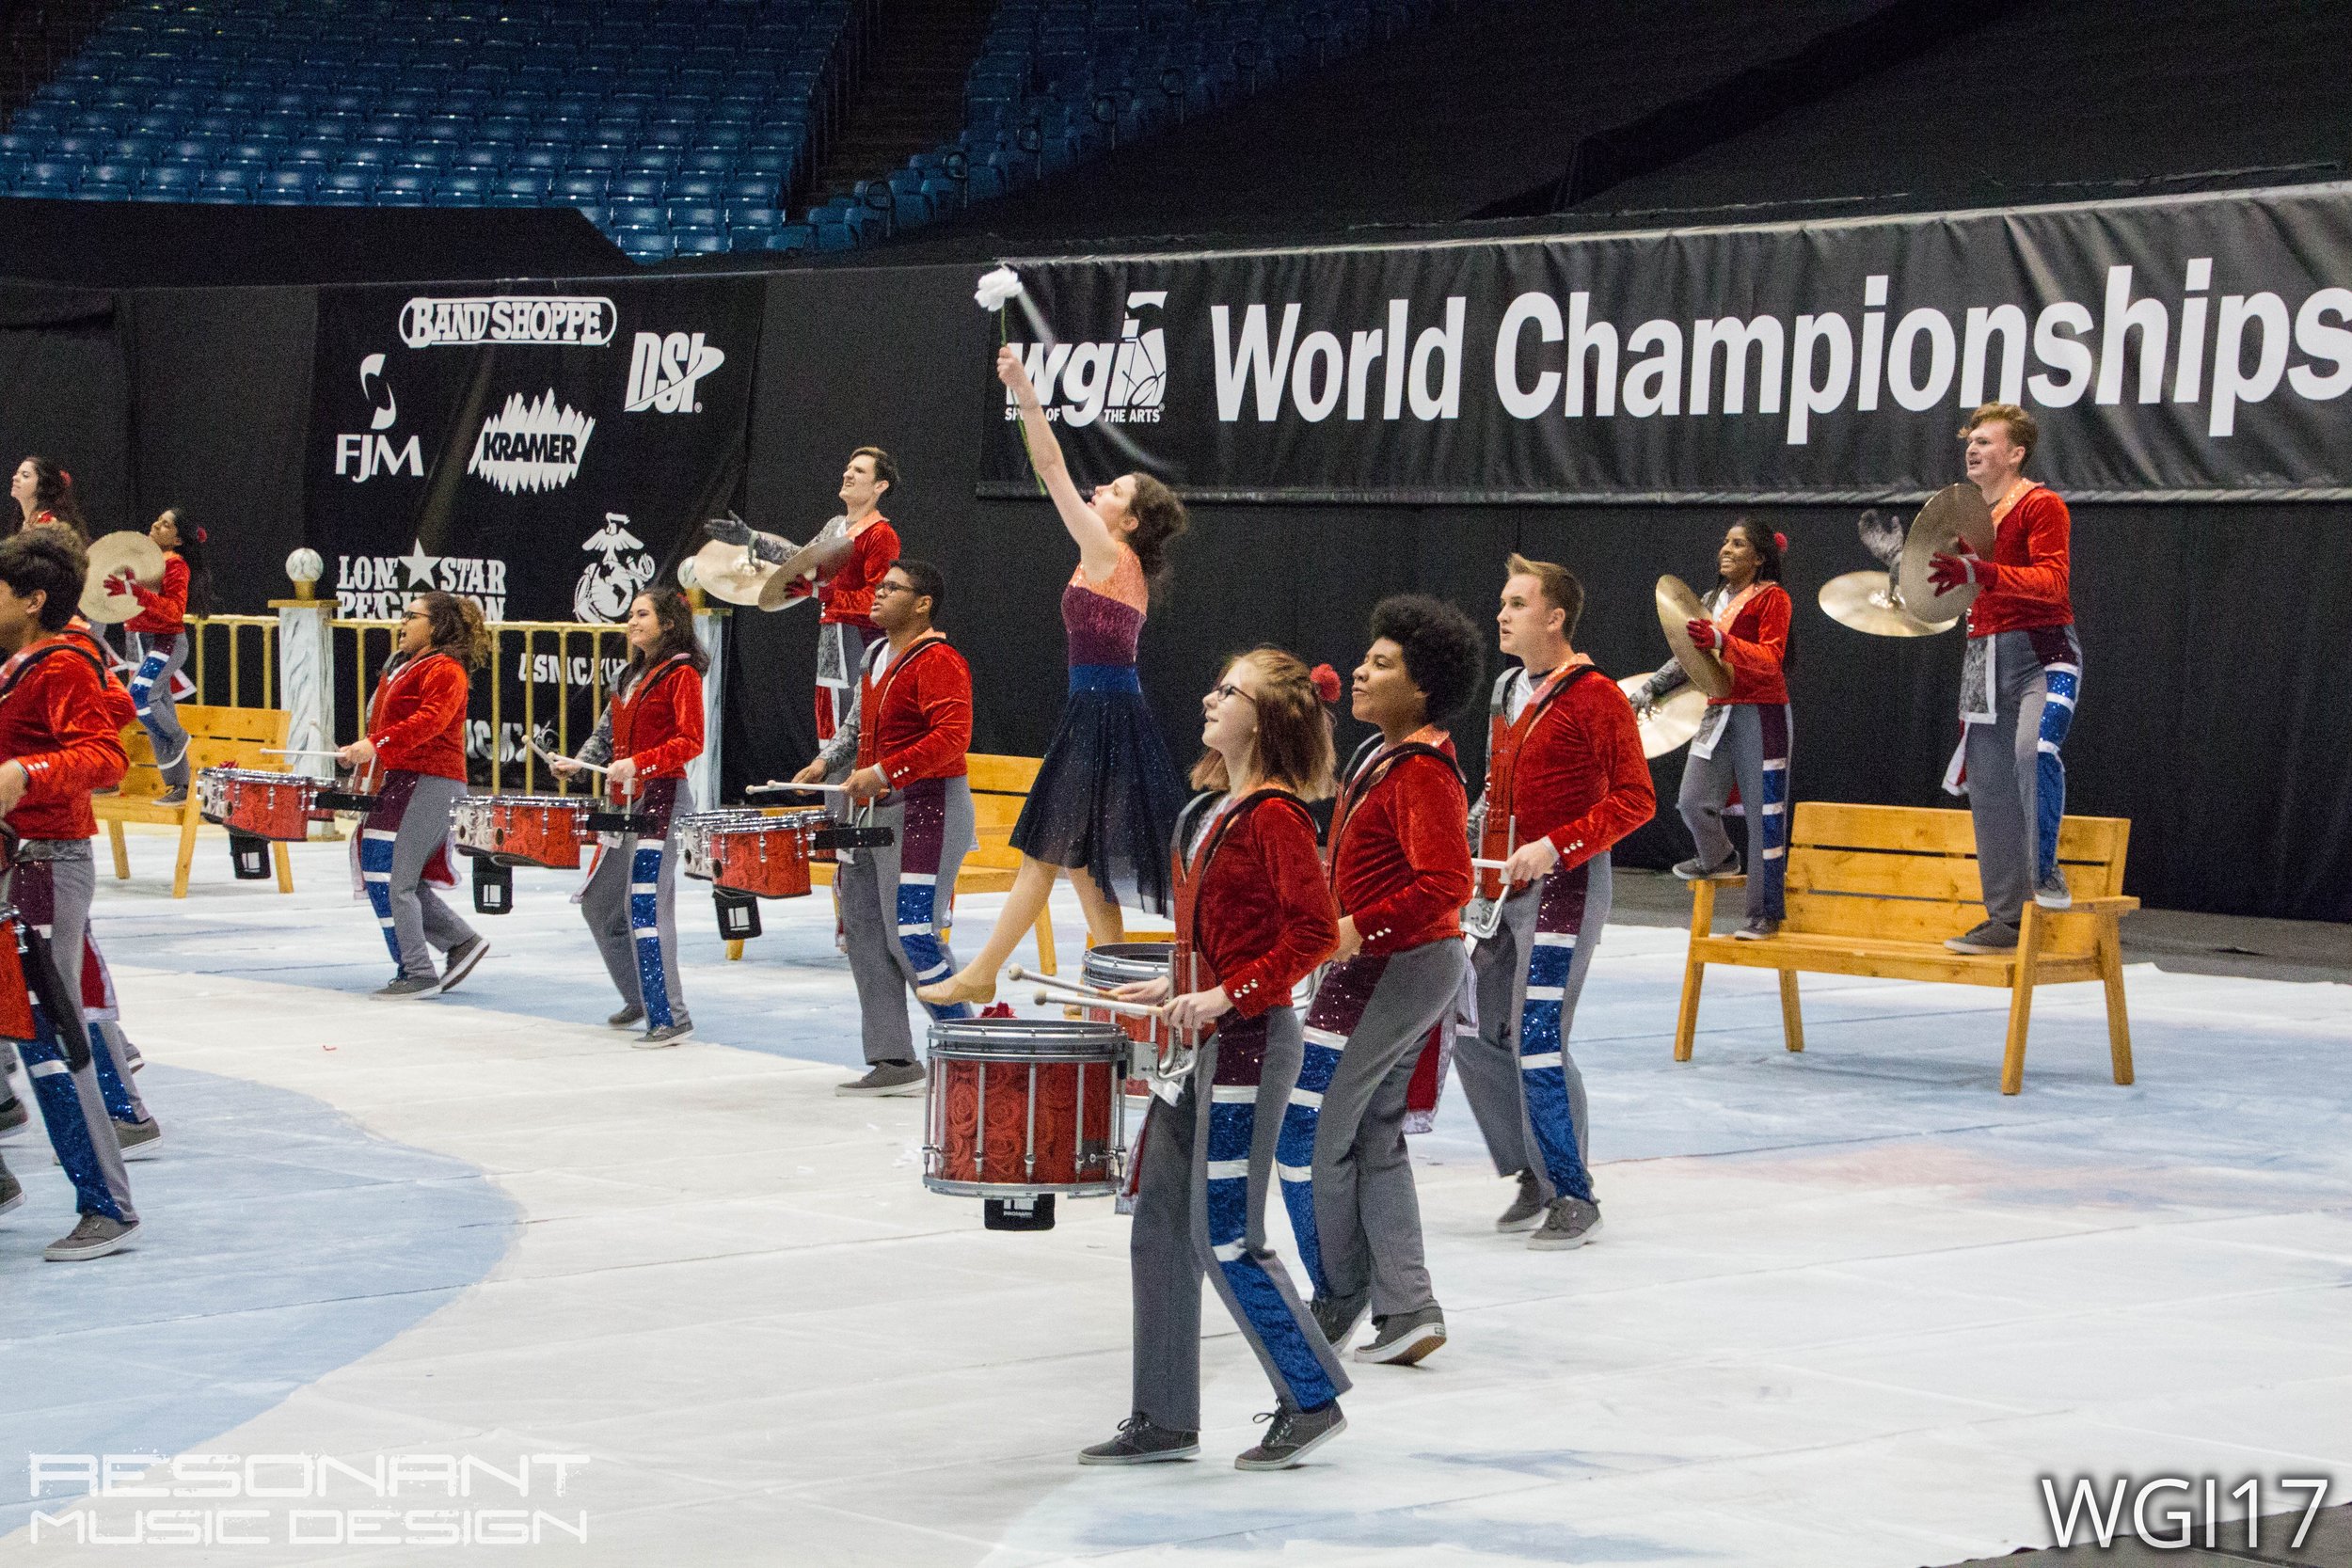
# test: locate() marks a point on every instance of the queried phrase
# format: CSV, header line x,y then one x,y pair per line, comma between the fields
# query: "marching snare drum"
x,y
257,804
524,829
750,852
1024,1107
1125,963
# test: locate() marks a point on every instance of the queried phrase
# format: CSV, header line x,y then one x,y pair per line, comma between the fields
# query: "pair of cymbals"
x,y
1678,607
1903,600
1870,602
736,574
1672,721
111,555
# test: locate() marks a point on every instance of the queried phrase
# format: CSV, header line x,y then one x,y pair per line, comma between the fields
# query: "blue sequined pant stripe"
x,y
2064,684
1249,1285
376,875
1339,1007
645,929
1543,1075
922,843
66,1115
123,1105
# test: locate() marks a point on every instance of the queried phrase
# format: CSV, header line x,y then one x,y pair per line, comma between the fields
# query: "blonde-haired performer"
x,y
1254,917
2022,676
416,734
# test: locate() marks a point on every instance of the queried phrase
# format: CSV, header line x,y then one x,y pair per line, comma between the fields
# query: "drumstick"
x,y
1089,993
1490,865
1133,1009
550,760
297,751
775,785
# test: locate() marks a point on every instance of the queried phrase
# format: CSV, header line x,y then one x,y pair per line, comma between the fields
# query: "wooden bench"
x,y
1876,890
1000,786
218,737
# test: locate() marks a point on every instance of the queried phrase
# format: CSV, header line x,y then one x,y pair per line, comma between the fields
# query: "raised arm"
x,y
1098,551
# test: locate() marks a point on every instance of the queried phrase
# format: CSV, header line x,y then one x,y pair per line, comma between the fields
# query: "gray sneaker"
x,y
14,1116
669,1034
1759,930
1570,1222
176,796
1691,871
407,986
1527,1209
886,1078
1294,1435
1139,1442
2051,893
11,1191
137,1135
95,1237
628,1018
462,959
1338,1317
1993,936
1402,1339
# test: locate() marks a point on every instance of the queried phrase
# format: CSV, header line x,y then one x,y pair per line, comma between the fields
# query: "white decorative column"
x,y
710,631
305,669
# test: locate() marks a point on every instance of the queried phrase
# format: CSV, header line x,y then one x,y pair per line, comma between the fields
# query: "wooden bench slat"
x,y
218,737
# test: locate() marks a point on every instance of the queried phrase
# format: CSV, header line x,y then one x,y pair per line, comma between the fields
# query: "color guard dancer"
x,y
903,748
1565,779
2023,675
58,740
650,729
45,497
1745,739
1104,800
416,734
1400,873
1254,914
159,642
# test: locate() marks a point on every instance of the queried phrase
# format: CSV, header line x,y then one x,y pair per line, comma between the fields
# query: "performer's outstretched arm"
x,y
1098,551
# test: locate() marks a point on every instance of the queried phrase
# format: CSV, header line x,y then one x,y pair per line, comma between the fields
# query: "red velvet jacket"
x,y
56,719
915,720
417,719
1252,904
1754,645
659,720
162,610
1400,851
2026,584
846,591
1576,774
121,711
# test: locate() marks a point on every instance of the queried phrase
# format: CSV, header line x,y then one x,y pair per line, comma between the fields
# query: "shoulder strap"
x,y
47,650
1225,826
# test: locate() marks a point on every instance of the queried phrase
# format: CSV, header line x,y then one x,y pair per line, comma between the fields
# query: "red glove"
x,y
1949,572
1707,634
120,583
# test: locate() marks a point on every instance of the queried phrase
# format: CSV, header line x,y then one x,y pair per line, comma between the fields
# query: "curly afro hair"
x,y
1443,654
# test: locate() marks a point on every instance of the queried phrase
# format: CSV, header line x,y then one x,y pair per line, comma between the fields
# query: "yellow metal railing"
x,y
265,630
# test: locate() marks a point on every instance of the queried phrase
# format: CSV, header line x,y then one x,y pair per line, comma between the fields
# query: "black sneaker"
x,y
1568,1222
176,796
2051,893
11,1191
1338,1317
95,1237
1527,1209
1993,936
1757,930
462,959
1691,871
669,1034
1294,1435
137,1135
407,986
628,1018
14,1117
1142,1443
884,1078
1402,1339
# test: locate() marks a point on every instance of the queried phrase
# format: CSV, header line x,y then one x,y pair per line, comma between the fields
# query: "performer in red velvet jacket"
x,y
58,741
649,733
159,642
1401,873
1744,740
1254,917
902,750
2020,680
416,741
1565,779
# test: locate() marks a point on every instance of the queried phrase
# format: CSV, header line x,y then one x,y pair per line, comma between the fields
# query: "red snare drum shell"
x,y
1003,1156
268,808
770,861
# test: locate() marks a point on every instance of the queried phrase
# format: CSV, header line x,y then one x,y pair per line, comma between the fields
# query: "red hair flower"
x,y
1780,543
1327,682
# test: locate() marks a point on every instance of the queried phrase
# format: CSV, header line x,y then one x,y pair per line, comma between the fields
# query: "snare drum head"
x,y
1028,1039
1119,963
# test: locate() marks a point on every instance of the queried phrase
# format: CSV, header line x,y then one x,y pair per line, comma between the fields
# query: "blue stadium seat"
x,y
573,189
788,237
490,158
290,187
697,215
639,187
639,216
117,180
696,187
417,183
231,182
21,145
647,245
79,144
520,190
53,175
357,183
546,160
594,212
719,163
171,182
425,154
742,218
462,188
834,236
701,241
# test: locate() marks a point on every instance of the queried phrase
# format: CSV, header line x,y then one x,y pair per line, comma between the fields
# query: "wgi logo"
x,y
531,446
663,371
607,585
1120,382
364,455
579,321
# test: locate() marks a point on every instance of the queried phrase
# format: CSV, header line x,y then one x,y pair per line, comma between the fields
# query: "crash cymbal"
x,y
1865,601
732,573
831,544
1672,721
109,555
1952,515
1676,607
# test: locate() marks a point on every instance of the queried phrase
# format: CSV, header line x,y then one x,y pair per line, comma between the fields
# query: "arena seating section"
x,y
679,127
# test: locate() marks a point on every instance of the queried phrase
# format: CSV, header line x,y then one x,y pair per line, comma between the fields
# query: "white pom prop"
x,y
997,289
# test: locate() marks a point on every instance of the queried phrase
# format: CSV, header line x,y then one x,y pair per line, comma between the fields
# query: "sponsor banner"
x,y
2175,348
546,451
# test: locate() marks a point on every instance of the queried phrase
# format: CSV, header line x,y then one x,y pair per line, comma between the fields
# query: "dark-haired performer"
x,y
2020,680
649,733
1401,873
1565,779
1253,919
903,748
58,741
1745,739
159,643
416,734
845,591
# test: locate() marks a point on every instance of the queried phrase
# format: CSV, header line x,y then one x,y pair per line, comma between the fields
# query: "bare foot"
x,y
958,987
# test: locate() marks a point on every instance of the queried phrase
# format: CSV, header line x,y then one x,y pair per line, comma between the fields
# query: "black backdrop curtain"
x,y
2213,634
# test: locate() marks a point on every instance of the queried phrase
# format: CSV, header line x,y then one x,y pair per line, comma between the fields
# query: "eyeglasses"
x,y
883,588
1228,689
